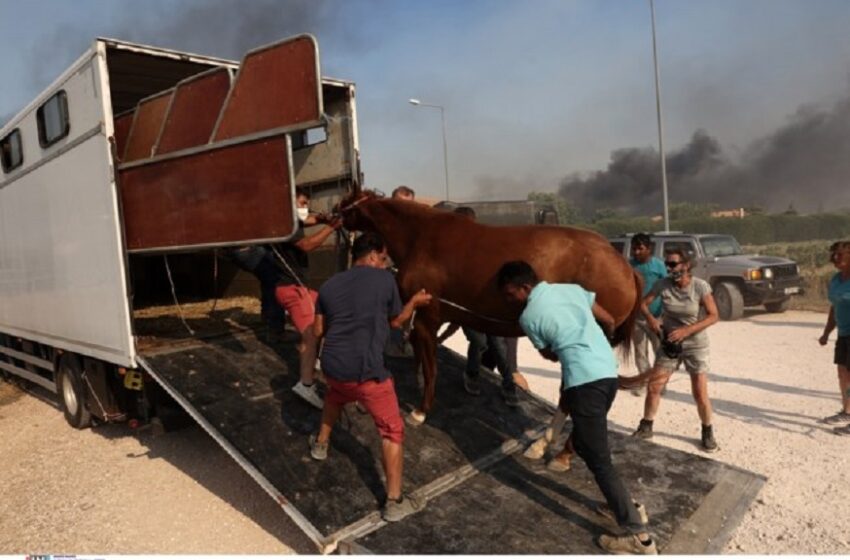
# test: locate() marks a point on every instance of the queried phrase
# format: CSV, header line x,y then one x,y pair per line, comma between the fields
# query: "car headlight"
x,y
754,274
768,273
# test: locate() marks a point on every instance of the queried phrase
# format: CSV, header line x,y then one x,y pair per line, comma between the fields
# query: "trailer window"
x,y
11,151
53,123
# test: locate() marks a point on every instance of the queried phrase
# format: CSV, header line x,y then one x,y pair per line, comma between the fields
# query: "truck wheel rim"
x,y
68,395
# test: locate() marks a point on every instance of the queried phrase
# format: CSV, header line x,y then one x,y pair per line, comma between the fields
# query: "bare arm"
x,y
315,241
604,318
711,317
319,326
651,320
419,299
830,325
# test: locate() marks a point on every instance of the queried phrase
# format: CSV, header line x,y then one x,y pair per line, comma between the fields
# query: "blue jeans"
x,y
478,344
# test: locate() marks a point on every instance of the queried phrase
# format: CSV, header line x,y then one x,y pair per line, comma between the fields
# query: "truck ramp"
x,y
484,496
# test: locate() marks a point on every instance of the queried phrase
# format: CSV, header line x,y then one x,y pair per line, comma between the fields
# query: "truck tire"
x,y
730,301
72,394
778,306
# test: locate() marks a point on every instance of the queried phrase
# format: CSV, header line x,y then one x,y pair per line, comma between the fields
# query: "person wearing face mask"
x,y
355,311
292,292
688,309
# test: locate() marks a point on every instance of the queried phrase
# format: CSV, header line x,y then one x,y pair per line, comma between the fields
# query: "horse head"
x,y
350,209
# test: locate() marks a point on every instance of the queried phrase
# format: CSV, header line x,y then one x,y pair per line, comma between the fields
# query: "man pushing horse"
x,y
354,313
562,322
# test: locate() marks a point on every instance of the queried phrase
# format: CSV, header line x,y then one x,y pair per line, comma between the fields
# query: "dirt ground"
x,y
110,491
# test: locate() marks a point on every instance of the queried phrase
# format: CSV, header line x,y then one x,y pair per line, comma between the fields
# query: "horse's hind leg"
x,y
424,340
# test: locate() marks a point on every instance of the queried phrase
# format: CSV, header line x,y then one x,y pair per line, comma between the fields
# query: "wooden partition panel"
x,y
276,86
232,195
194,111
122,131
147,125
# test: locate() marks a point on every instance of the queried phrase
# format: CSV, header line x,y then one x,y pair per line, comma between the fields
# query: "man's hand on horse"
x,y
421,298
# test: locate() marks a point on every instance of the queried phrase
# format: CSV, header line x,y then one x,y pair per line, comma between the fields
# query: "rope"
x,y
174,295
288,267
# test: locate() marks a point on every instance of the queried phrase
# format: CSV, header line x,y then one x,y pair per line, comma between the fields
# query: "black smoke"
x,y
804,164
222,28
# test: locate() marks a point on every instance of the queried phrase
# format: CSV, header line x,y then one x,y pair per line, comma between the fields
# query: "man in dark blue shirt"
x,y
354,314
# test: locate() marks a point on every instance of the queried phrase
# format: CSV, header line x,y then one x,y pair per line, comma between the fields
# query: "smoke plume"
x,y
805,163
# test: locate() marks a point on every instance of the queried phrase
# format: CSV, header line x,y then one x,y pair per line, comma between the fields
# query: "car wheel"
x,y
730,301
72,395
778,306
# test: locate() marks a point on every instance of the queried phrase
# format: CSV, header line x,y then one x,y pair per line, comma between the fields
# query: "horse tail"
x,y
623,333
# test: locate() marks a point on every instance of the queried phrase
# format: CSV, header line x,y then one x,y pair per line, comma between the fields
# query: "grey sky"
x,y
534,91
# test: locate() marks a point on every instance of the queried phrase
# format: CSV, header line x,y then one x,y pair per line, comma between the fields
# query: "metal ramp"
x,y
484,497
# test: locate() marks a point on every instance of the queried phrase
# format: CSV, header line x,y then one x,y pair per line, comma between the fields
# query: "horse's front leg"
x,y
424,341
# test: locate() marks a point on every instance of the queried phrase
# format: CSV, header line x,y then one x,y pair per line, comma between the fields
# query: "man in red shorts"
x,y
293,294
354,314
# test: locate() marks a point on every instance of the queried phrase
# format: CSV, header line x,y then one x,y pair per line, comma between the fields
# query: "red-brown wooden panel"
x,y
276,86
122,130
222,196
146,126
194,111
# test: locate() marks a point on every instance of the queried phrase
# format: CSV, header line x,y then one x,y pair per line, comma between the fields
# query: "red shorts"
x,y
379,399
300,303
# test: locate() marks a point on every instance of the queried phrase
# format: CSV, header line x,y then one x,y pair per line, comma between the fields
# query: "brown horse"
x,y
456,260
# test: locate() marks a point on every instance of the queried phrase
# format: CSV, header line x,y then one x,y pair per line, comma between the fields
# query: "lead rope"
x,y
174,295
215,281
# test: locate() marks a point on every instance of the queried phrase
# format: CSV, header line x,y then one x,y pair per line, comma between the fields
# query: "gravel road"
x,y
110,491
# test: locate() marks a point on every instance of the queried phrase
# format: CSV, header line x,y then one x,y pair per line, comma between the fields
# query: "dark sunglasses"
x,y
672,264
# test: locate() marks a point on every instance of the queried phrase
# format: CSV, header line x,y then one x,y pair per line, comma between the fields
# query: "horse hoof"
x,y
416,418
537,449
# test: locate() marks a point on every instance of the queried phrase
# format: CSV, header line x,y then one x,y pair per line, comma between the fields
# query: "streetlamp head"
x,y
414,101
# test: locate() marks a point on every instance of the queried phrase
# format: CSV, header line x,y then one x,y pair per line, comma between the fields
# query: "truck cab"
x,y
739,280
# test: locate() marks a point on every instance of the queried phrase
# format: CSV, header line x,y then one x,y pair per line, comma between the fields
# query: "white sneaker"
x,y
309,394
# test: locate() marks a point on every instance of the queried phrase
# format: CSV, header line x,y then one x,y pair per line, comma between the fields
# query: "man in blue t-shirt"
x,y
839,316
652,270
562,322
354,313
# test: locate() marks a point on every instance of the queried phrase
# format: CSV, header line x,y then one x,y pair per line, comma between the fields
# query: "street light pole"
x,y
660,127
418,103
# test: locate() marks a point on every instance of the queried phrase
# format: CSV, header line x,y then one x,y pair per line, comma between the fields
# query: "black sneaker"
x,y
709,445
644,430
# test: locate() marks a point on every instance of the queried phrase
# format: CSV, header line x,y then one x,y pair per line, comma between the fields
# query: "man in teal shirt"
x,y
562,321
652,270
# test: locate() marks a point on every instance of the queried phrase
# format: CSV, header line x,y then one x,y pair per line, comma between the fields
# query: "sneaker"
x,y
396,511
840,418
605,511
842,430
318,451
627,544
471,384
309,394
708,443
644,430
510,396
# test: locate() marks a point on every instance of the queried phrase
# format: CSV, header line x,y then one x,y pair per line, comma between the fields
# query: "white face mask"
x,y
303,213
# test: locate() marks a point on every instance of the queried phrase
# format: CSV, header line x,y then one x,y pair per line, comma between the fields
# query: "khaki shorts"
x,y
695,360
